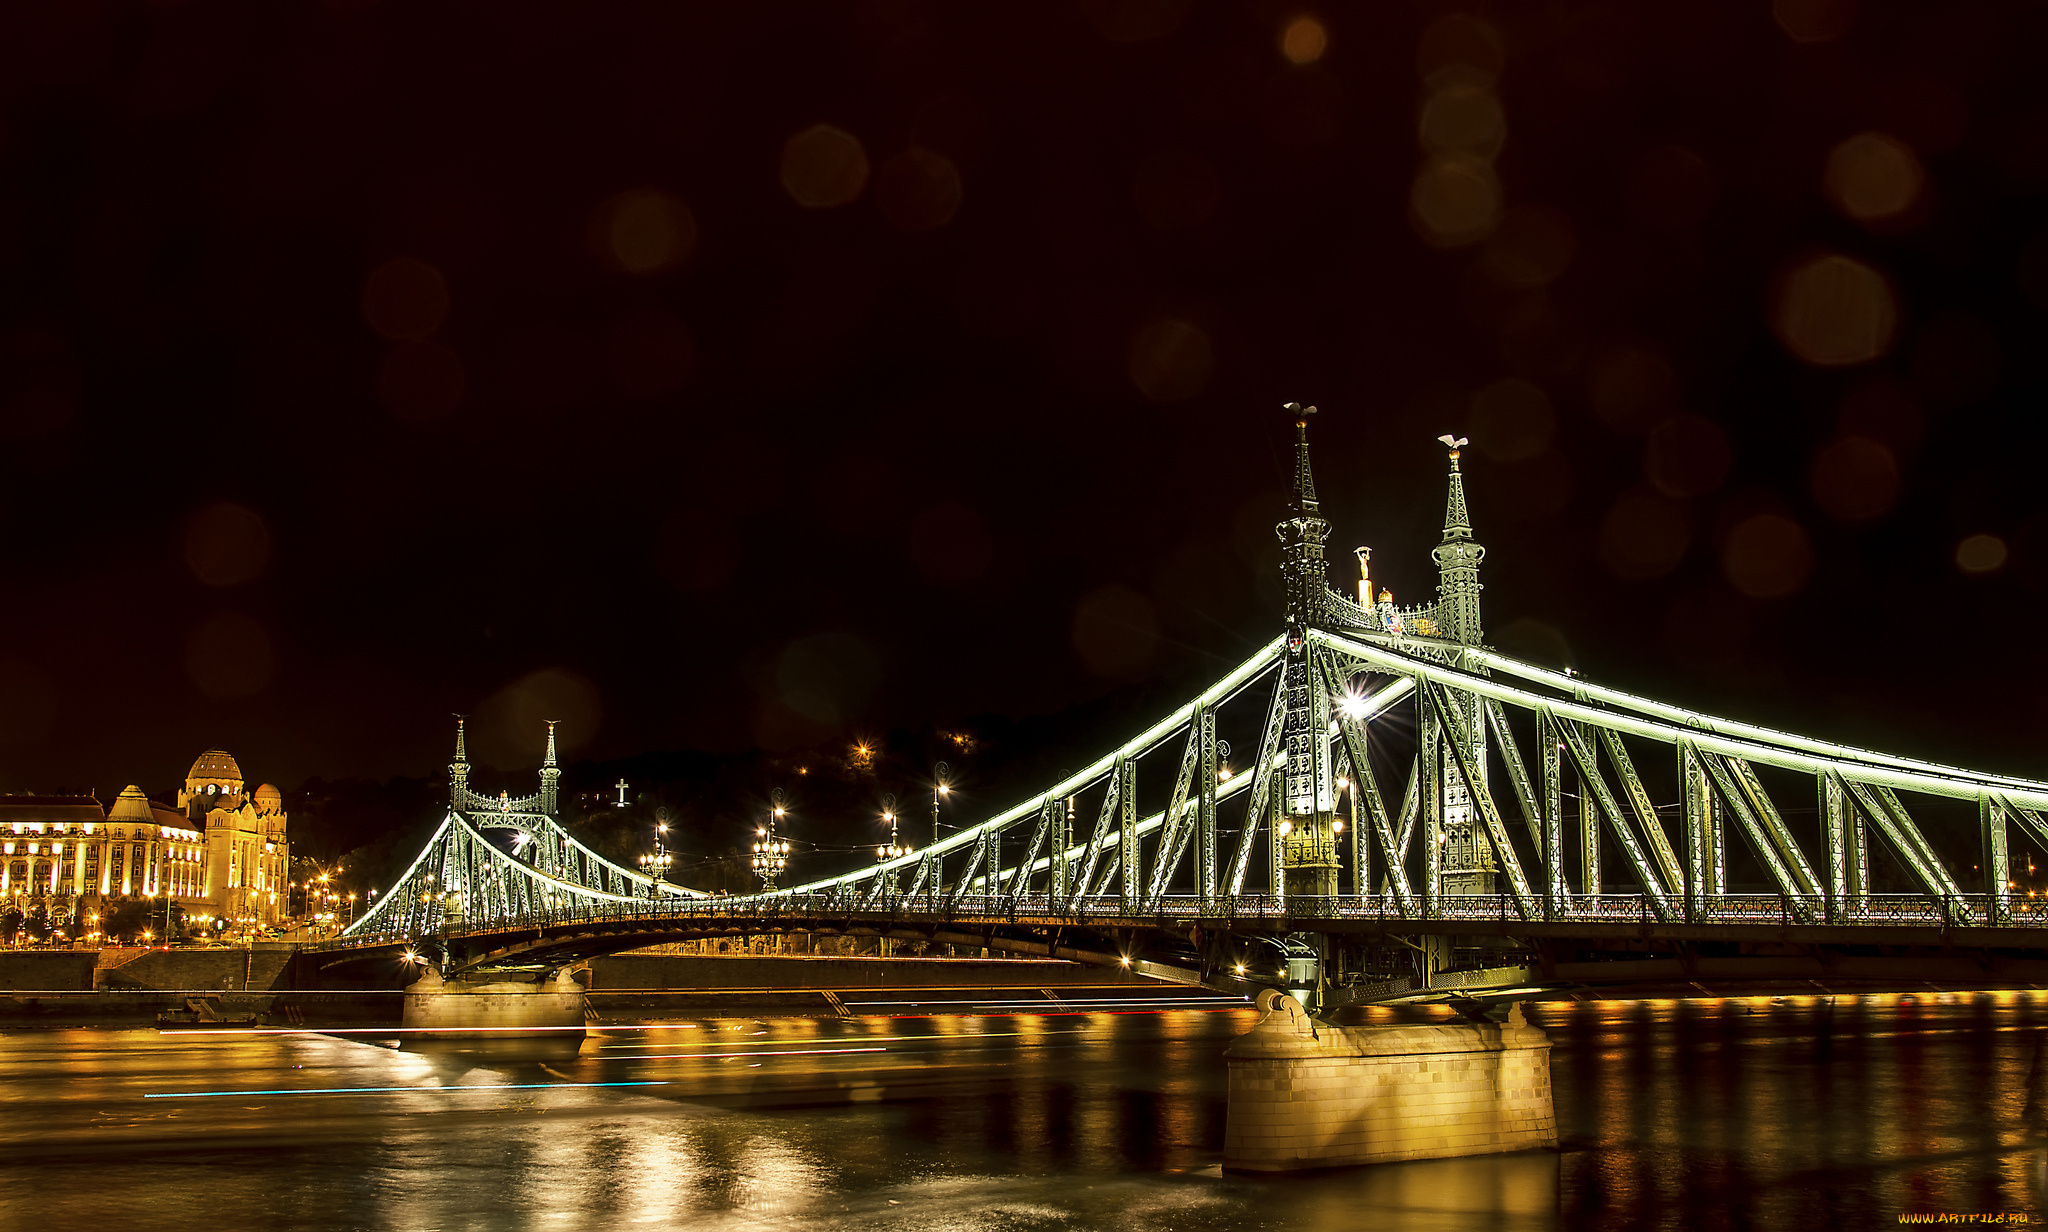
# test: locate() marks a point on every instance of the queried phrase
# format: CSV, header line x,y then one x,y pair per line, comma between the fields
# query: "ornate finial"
x,y
1457,523
549,759
1304,481
1303,571
461,753
1457,560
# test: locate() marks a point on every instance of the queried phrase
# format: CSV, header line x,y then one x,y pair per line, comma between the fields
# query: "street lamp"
x,y
656,864
771,853
939,788
895,849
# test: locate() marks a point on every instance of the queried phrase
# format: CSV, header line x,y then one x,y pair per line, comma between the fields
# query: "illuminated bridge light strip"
x,y
495,1086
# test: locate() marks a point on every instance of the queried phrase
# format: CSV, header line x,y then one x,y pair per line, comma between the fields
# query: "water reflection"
x,y
1761,1112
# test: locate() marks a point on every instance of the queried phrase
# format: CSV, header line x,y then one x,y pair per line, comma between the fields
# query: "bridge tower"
x,y
1468,865
458,770
1306,803
550,776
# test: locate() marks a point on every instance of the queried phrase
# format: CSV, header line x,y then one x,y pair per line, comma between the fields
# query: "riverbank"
x,y
68,989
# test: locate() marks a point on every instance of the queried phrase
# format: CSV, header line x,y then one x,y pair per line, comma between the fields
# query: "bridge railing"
x,y
795,911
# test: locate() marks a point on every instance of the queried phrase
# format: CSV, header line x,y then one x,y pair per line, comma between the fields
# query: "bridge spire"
x,y
1301,535
550,774
1457,560
458,770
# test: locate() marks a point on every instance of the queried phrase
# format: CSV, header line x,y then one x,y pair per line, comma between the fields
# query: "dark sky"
x,y
715,376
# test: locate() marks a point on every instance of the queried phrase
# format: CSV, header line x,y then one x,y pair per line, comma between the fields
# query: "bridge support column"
x,y
1305,1094
551,1008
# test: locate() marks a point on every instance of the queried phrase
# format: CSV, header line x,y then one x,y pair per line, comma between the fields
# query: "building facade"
x,y
221,854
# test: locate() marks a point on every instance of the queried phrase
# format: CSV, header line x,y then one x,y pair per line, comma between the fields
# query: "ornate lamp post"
x,y
771,853
894,849
940,787
656,863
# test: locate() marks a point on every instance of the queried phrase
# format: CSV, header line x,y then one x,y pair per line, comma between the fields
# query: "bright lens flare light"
x,y
1353,706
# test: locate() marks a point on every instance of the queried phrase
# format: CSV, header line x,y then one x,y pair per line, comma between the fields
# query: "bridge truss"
x,y
1406,786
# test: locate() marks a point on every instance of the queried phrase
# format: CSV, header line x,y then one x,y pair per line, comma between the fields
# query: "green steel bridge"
x,y
1419,815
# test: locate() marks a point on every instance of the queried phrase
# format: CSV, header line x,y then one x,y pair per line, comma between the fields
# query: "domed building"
x,y
221,853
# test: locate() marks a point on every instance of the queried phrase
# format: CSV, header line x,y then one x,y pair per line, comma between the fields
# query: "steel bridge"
x,y
1418,813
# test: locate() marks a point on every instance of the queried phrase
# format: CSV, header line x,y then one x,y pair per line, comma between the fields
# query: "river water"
x,y
1795,1113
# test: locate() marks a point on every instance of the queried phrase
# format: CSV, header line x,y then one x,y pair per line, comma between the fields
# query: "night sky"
x,y
762,375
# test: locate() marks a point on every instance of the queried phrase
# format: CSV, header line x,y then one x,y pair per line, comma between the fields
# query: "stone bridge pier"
x,y
1305,1093
550,1005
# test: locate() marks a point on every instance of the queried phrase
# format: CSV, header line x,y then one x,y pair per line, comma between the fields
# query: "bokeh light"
x,y
1304,40
1644,535
1833,311
1854,478
516,717
1463,121
1134,21
918,190
1814,21
1532,247
1170,360
1687,456
1460,48
226,544
1981,554
1455,202
228,655
405,299
1872,177
1632,388
824,167
646,231
1767,556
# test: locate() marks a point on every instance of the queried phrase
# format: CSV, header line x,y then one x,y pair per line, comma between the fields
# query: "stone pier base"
x,y
551,1009
1305,1094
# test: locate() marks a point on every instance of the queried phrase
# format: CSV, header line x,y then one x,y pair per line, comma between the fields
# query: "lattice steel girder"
x,y
1205,808
1367,787
1835,820
1411,811
1129,852
1482,798
1052,809
562,855
1860,763
1555,889
1774,826
1589,774
1216,694
1518,778
458,860
1646,812
1262,785
1895,825
1696,801
1104,817
1173,840
1790,753
1429,768
960,884
1760,843
2030,821
1997,861
1589,813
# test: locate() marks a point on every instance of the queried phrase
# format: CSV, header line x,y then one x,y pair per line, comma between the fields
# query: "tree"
x,y
11,921
125,919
